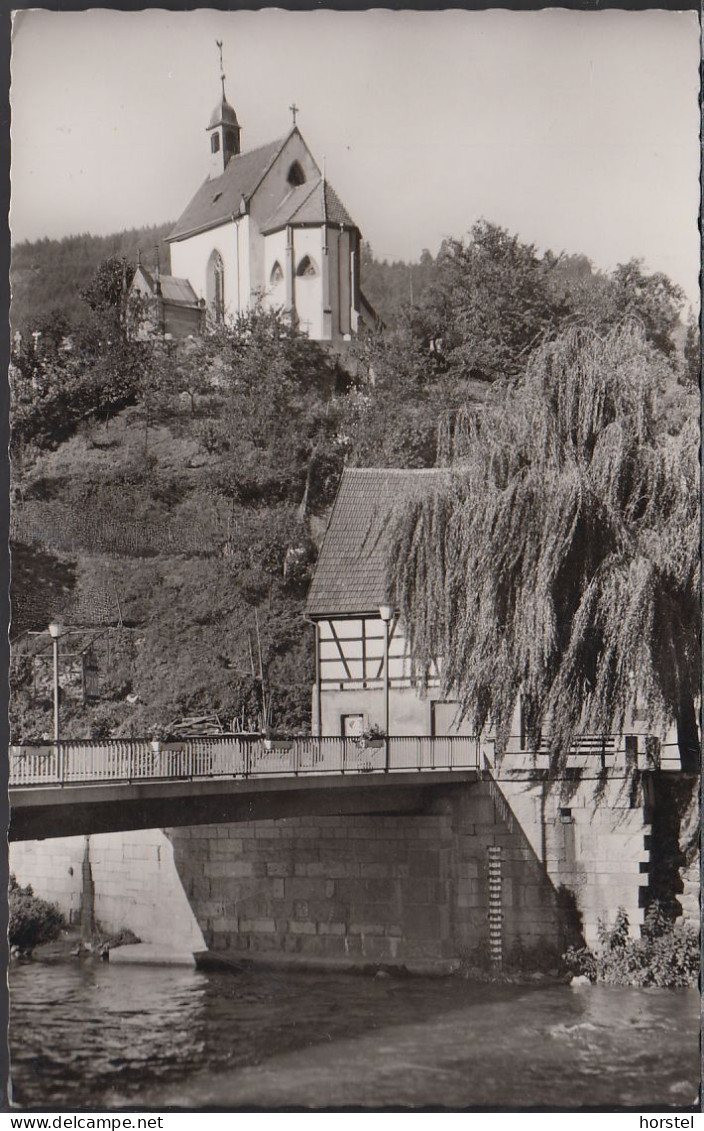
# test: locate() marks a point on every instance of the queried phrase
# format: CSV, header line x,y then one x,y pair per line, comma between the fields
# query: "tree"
x,y
491,302
692,353
107,292
560,561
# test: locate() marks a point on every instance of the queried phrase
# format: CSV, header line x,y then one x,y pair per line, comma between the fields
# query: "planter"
x,y
373,743
278,744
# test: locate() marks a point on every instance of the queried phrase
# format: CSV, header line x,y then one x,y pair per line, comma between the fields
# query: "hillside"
x,y
167,498
131,543
48,275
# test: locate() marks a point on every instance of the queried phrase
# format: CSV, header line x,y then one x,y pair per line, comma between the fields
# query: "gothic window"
x,y
306,268
296,176
215,143
215,285
277,274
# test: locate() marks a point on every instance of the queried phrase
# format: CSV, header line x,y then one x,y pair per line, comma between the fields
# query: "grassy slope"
x,y
134,534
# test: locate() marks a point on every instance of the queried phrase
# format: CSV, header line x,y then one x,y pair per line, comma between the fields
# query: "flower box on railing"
x,y
278,743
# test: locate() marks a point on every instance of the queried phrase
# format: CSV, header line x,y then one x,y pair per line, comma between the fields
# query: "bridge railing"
x,y
234,756
245,756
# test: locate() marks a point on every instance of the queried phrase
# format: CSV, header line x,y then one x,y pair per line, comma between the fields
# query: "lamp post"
x,y
55,631
386,613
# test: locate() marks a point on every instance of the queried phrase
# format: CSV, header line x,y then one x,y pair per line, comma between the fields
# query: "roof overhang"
x,y
232,219
309,224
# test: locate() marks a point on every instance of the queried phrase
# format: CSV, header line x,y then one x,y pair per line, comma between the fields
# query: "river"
x,y
92,1035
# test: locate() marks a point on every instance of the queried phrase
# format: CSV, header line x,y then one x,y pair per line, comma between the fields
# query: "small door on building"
x,y
352,726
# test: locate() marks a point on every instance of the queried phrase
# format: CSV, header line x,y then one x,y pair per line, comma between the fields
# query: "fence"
x,y
245,756
233,756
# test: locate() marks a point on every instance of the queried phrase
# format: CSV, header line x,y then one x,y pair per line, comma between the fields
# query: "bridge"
x,y
67,788
84,787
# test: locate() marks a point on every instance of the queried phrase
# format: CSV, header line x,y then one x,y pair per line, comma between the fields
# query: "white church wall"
x,y
190,257
275,252
308,290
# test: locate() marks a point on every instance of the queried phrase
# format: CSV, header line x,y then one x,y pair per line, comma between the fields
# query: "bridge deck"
x,y
83,787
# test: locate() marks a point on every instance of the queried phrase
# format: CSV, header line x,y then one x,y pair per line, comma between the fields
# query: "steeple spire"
x,y
222,69
224,129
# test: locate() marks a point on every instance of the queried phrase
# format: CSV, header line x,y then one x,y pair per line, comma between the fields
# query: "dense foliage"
x,y
32,921
561,558
666,954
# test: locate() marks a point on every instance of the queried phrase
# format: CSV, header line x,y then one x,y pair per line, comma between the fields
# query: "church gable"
x,y
290,171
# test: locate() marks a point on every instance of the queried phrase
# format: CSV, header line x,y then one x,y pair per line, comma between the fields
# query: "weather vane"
x,y
218,43
294,110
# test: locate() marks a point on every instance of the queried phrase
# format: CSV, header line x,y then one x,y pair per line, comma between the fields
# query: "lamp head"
x,y
386,612
56,630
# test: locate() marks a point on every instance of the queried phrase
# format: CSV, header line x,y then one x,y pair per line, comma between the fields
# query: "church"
x,y
265,226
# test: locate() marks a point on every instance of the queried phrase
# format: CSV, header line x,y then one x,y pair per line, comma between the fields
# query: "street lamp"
x,y
55,631
386,612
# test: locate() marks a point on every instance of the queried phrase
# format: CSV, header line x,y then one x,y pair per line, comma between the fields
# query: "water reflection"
x,y
96,1035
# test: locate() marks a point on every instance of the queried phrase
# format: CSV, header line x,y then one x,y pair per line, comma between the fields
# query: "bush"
x,y
32,920
667,954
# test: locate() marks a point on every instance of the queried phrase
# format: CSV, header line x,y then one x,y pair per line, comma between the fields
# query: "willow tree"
x,y
560,558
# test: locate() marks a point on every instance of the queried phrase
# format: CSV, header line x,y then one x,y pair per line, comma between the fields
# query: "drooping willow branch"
x,y
559,557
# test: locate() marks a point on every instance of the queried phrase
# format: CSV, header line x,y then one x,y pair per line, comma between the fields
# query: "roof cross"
x,y
294,110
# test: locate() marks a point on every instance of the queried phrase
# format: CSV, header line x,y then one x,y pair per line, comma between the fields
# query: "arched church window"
x,y
215,285
306,268
215,143
296,176
277,274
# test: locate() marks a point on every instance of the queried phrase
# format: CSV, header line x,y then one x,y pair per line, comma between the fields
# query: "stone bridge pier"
x,y
428,878
423,890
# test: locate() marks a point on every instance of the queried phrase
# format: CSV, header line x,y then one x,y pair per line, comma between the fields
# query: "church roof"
x,y
351,573
304,205
223,114
218,198
177,292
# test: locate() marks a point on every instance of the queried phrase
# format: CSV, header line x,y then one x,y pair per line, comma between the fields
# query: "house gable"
x,y
351,573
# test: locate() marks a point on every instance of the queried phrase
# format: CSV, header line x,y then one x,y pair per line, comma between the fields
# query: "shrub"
x,y
32,920
667,954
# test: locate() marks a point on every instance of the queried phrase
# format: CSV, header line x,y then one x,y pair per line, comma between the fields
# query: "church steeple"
x,y
223,128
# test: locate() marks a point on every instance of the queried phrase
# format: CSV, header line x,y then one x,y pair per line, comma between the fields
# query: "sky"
x,y
577,130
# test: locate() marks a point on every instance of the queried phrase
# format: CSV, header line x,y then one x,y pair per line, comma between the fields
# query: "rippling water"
x,y
93,1035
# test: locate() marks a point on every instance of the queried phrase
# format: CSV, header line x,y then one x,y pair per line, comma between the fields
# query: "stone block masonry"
x,y
389,890
135,883
410,890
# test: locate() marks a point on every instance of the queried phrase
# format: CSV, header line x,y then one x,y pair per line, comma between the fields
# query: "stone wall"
x,y
408,890
136,884
592,837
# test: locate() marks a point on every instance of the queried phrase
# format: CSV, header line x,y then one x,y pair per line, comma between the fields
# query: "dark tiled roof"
x,y
178,292
304,205
350,576
217,199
